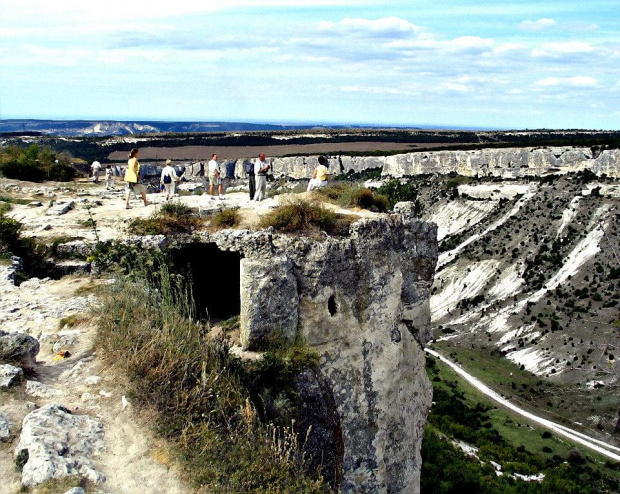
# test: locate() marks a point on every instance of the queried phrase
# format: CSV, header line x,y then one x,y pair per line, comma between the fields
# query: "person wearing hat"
x,y
168,179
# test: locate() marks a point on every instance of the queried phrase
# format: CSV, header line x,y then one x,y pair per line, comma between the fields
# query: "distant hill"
x,y
112,128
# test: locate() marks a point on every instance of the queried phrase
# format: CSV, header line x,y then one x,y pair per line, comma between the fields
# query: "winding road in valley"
x,y
601,447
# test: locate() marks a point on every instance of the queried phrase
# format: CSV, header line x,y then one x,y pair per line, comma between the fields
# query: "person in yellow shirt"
x,y
132,177
320,175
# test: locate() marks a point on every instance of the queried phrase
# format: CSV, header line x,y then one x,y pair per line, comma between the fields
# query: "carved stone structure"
x,y
363,303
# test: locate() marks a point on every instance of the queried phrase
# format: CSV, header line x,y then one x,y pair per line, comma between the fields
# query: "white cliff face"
x,y
363,303
505,163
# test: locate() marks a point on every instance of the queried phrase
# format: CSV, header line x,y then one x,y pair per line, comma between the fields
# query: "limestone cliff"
x,y
363,303
506,163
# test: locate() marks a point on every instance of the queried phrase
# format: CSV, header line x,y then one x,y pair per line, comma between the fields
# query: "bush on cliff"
x,y
395,191
303,216
35,165
172,218
351,195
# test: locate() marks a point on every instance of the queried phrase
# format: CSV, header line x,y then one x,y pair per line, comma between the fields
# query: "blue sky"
x,y
496,64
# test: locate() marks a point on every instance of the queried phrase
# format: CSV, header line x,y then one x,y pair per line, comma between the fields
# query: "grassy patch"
x,y
195,386
352,195
88,289
14,200
303,216
72,320
230,324
60,486
226,218
172,218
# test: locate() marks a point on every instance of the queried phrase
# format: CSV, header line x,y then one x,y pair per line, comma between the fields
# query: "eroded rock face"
x,y
507,163
55,443
363,303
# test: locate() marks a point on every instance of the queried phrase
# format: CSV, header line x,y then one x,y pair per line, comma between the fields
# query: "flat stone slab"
x,y
54,444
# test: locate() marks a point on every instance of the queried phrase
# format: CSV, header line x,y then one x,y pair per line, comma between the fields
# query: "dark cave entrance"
x,y
215,279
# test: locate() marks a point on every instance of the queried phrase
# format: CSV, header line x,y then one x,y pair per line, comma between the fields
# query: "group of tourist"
x,y
256,172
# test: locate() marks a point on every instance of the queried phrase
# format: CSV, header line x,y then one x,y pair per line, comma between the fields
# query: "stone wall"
x,y
363,303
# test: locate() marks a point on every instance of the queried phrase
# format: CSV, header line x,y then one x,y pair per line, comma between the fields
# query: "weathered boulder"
x,y
10,375
55,443
18,348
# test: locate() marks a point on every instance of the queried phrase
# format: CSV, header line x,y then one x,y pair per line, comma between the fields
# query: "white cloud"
x,y
561,49
372,90
538,25
393,27
579,81
509,47
451,87
470,44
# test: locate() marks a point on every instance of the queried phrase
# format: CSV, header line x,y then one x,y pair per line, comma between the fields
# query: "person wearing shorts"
x,y
132,177
215,179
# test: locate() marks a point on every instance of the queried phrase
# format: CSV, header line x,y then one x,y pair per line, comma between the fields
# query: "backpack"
x,y
167,179
230,169
249,167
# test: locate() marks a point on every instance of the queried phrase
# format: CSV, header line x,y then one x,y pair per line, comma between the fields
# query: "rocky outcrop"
x,y
54,443
505,163
363,303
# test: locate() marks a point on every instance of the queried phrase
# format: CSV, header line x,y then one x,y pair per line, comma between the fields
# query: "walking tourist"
x,y
132,179
95,168
168,178
109,177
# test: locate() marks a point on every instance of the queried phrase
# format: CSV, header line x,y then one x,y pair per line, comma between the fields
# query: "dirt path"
x,y
133,461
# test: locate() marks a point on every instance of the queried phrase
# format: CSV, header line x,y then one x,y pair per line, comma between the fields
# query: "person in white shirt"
x,y
109,178
261,167
214,176
168,178
96,168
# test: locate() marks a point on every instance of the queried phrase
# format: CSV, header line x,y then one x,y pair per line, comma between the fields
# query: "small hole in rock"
x,y
331,305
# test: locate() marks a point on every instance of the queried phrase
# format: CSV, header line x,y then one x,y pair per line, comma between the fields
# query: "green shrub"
x,y
30,172
300,216
172,218
351,195
395,191
35,165
62,172
226,218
